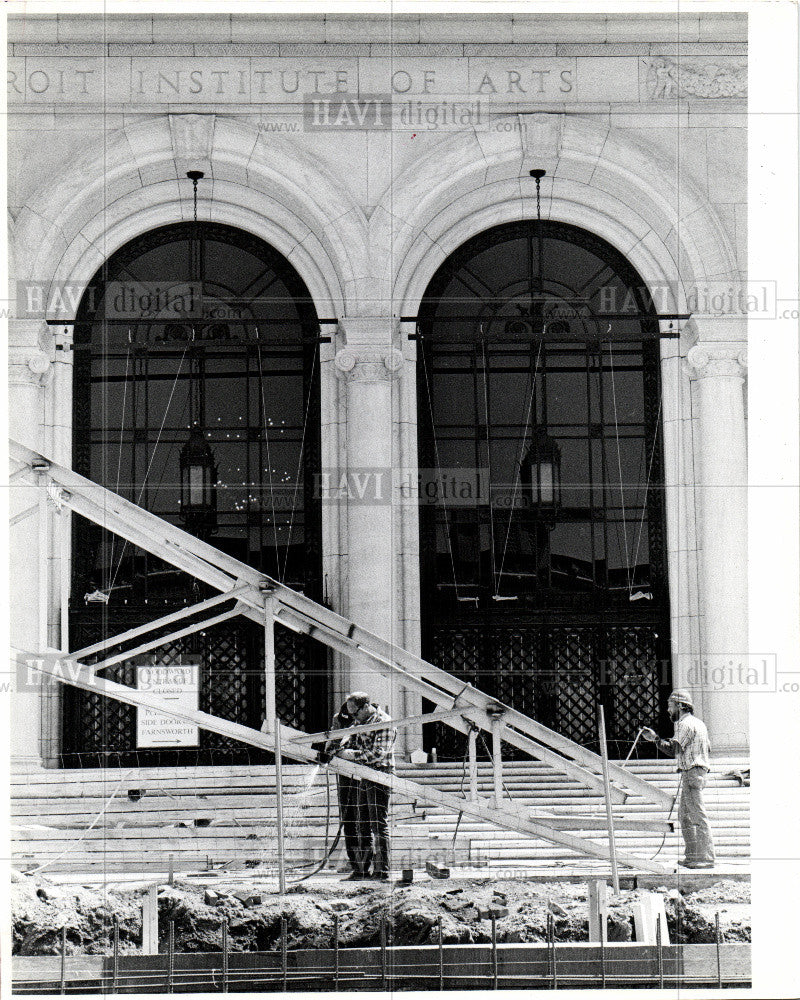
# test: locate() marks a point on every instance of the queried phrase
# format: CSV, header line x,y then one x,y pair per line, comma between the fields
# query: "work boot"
x,y
699,864
356,877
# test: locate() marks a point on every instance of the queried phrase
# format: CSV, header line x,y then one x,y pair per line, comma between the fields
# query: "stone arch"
x,y
597,178
137,182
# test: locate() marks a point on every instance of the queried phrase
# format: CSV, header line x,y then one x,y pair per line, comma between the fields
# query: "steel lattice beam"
x,y
299,612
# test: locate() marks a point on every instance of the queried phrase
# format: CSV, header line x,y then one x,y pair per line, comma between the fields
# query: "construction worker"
x,y
349,794
690,745
374,749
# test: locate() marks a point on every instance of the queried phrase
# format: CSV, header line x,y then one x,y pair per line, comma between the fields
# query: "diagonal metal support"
x,y
145,647
411,720
16,518
80,676
134,633
299,612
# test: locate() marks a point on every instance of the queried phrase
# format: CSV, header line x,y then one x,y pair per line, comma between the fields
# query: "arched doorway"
x,y
543,567
196,396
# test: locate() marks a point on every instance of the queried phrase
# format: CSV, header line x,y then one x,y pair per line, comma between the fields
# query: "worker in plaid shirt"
x,y
376,750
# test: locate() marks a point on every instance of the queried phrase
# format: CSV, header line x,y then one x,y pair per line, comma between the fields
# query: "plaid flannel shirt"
x,y
692,736
375,749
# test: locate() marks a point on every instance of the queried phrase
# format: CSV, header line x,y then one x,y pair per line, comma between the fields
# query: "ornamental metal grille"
x,y
543,549
160,351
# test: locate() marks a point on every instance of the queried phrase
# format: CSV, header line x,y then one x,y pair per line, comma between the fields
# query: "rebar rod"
x,y
171,957
115,969
494,951
225,956
284,956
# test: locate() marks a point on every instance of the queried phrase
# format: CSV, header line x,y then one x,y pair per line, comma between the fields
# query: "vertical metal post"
x,y
612,847
497,761
171,956
63,959
225,956
336,950
473,764
550,963
115,969
44,576
64,523
719,949
284,956
494,951
274,728
553,945
660,952
441,957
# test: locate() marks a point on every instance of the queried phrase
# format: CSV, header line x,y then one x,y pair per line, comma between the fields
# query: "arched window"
x,y
196,396
543,563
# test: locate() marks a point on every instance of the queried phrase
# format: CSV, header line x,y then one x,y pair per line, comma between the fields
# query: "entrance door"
x,y
196,396
543,560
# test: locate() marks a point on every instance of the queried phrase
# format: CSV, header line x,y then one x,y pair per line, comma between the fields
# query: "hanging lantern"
x,y
198,482
540,472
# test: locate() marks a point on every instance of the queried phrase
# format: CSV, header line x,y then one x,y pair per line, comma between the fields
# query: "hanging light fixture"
x,y
198,468
540,469
540,473
198,483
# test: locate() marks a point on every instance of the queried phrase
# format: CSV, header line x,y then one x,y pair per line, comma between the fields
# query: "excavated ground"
x,y
40,909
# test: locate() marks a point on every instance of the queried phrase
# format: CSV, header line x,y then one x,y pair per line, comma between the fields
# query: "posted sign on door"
x,y
174,683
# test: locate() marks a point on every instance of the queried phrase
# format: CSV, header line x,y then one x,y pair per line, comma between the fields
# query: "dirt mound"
x,y
412,914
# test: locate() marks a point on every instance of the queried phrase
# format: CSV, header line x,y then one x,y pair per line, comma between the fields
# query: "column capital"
x,y
717,360
362,363
29,366
369,354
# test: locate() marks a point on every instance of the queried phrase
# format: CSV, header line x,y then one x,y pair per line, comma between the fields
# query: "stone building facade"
x,y
365,152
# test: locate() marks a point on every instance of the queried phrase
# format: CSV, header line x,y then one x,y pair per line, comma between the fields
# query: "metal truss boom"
x,y
258,595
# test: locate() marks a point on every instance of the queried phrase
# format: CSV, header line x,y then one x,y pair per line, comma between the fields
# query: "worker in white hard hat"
x,y
690,745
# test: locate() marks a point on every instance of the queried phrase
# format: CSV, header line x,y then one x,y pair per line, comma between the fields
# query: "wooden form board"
x,y
684,963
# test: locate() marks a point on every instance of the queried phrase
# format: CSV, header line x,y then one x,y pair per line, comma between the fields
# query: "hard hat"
x,y
682,697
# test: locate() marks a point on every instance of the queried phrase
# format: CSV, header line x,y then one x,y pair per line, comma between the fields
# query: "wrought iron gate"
x,y
558,673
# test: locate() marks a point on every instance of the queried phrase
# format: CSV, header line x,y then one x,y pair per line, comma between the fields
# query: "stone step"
x,y
48,807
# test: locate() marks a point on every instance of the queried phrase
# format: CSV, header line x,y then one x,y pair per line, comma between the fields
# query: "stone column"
x,y
370,367
718,369
29,371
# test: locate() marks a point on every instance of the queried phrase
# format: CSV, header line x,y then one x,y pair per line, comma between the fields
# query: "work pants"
x,y
349,814
375,827
693,816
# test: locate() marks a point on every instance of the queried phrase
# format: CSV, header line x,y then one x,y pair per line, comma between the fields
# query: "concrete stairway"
x,y
540,788
136,820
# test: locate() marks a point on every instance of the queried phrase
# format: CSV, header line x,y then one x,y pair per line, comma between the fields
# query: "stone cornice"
x,y
425,28
428,50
